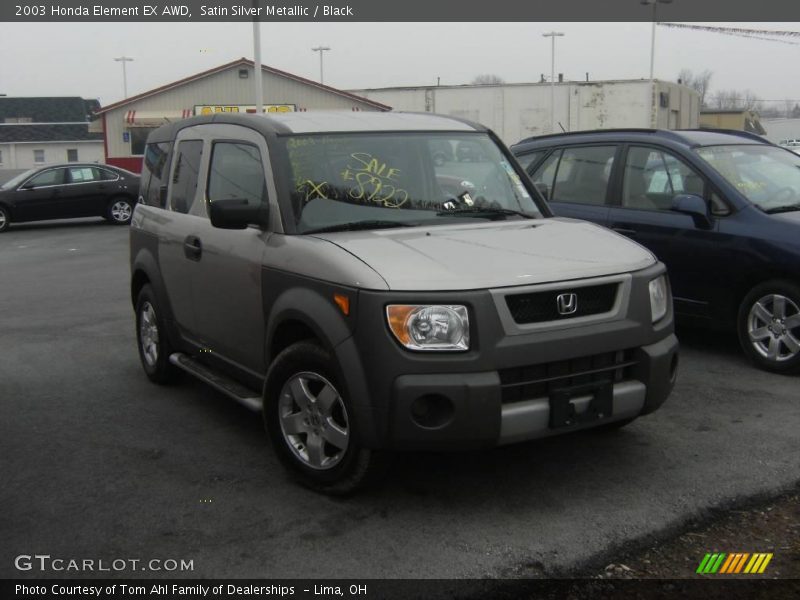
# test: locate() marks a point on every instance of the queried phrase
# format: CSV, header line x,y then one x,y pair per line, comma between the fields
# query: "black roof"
x,y
45,118
47,133
70,109
688,137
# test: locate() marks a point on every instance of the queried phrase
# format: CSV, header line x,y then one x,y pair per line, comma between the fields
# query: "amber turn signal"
x,y
343,302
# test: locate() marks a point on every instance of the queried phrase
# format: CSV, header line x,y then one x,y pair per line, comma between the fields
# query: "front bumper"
x,y
506,388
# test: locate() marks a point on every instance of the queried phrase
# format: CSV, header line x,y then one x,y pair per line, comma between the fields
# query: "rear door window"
x,y
184,177
583,174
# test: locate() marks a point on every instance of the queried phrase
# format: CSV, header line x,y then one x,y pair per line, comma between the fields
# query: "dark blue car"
x,y
721,209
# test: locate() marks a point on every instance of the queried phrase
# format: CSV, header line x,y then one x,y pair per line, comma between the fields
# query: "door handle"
x,y
623,231
192,247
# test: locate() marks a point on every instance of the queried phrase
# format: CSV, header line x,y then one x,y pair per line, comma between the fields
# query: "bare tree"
x,y
488,79
699,82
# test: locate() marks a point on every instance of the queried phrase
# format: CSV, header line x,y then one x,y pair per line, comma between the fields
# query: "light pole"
x,y
123,60
655,4
257,73
320,49
553,35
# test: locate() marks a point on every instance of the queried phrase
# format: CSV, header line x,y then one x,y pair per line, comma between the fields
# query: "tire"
x,y
151,338
120,211
5,219
769,326
309,421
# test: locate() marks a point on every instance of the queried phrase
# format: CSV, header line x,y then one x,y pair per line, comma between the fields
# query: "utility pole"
x,y
320,49
553,35
123,60
259,88
655,4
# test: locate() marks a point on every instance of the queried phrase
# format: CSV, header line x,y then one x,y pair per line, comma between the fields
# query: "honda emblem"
x,y
567,304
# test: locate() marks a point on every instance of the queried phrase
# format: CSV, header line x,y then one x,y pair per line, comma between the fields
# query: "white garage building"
x,y
520,110
229,87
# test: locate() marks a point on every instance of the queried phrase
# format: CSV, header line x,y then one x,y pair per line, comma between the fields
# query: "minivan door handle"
x,y
192,247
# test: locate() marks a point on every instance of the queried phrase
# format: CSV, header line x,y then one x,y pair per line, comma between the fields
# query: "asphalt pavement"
x,y
98,463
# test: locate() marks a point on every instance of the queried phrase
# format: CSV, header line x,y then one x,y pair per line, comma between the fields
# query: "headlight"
x,y
659,297
429,327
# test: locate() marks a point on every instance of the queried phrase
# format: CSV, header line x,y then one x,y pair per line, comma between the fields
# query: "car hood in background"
x,y
488,255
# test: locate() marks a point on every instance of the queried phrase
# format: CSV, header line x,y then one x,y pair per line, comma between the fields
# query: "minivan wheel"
x,y
120,211
310,422
151,337
5,219
769,326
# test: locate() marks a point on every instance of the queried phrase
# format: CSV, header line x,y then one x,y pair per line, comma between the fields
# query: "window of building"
x,y
184,178
139,138
72,155
38,156
236,172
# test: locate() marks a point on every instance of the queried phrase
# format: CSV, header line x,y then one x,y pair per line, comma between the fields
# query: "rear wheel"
x,y
120,211
5,219
769,326
310,422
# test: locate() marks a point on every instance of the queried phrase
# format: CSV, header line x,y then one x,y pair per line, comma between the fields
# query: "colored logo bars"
x,y
737,562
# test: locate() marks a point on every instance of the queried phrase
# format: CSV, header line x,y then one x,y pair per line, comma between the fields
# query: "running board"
x,y
222,383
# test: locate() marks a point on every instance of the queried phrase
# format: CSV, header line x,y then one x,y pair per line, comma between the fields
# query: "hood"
x,y
489,255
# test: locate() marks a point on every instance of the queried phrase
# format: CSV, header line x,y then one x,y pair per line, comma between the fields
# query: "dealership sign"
x,y
210,109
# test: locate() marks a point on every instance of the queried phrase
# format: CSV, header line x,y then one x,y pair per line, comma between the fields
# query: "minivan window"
x,y
767,176
236,172
654,177
400,178
184,178
583,174
546,173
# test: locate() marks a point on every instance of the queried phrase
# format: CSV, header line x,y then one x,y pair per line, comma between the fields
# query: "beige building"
x,y
229,87
520,110
740,120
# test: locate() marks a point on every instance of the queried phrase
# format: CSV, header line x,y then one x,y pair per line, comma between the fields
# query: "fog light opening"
x,y
432,411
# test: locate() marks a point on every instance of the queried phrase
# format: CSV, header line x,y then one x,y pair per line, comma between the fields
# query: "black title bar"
x,y
399,11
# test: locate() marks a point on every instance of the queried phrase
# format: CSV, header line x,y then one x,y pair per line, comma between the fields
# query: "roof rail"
x,y
745,134
595,131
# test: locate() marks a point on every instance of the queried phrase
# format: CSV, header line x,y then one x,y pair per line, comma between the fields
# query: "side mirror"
x,y
27,186
695,207
237,213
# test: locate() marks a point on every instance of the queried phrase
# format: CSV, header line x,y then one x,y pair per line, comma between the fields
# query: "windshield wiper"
x,y
359,225
480,211
782,209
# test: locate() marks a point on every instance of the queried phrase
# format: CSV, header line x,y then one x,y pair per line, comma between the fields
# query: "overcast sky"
x,y
76,59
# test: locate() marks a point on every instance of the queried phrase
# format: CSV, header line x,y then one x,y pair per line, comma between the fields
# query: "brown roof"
x,y
241,62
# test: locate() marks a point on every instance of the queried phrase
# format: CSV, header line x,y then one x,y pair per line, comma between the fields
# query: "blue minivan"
x,y
720,208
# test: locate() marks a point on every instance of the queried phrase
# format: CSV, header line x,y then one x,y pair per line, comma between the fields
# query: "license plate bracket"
x,y
562,409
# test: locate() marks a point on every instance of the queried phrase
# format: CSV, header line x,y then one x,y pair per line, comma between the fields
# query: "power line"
x,y
768,35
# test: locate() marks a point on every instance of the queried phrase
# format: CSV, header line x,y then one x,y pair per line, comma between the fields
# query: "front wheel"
x,y
120,211
769,326
151,337
310,422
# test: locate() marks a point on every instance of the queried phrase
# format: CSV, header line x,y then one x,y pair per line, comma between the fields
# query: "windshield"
x,y
12,183
395,179
769,177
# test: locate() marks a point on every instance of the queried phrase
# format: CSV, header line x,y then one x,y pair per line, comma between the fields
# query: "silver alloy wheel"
x,y
121,211
773,326
314,420
2,218
148,334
